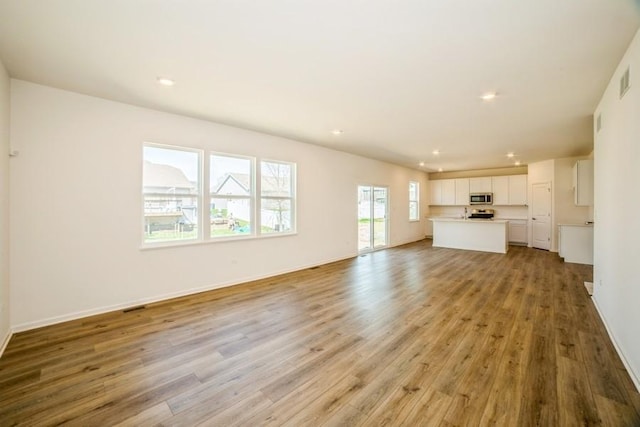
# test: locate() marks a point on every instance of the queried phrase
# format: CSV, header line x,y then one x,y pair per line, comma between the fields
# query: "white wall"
x,y
4,206
616,228
76,207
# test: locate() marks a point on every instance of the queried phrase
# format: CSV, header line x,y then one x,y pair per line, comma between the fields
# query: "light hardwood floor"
x,y
410,336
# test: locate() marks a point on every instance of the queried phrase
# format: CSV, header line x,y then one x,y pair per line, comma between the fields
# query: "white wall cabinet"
x,y
518,190
510,190
448,192
518,231
462,192
480,185
500,187
507,190
443,192
583,183
435,193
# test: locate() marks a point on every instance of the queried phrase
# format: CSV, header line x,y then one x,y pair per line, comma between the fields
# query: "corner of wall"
x,y
5,119
616,290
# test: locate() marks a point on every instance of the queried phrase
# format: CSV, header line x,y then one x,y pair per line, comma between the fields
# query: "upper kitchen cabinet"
x,y
480,185
448,192
462,192
435,192
509,190
500,187
518,190
583,183
443,192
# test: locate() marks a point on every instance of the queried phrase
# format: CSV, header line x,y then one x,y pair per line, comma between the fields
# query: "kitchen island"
x,y
487,235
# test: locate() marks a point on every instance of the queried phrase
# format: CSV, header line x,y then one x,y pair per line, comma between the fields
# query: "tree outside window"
x,y
277,185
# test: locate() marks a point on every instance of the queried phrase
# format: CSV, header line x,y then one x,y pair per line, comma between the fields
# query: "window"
x,y
414,201
235,201
231,195
277,189
171,189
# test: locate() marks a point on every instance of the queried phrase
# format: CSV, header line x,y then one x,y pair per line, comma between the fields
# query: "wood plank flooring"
x,y
410,336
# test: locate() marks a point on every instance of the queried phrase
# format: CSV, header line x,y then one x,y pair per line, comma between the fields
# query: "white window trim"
x,y
204,197
199,197
415,201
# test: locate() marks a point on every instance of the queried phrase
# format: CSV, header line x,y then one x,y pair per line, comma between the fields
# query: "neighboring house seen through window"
x,y
171,188
414,201
175,203
232,196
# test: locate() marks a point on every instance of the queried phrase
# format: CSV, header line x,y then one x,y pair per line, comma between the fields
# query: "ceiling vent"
x,y
599,122
625,83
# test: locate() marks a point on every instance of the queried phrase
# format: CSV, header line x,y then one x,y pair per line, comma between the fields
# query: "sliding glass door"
x,y
372,218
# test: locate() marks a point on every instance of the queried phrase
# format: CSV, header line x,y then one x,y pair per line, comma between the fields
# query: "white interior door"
x,y
541,215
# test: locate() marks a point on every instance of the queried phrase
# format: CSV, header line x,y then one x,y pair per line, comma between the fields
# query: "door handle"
x,y
533,219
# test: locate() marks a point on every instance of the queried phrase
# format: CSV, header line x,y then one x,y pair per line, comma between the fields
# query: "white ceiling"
x,y
401,78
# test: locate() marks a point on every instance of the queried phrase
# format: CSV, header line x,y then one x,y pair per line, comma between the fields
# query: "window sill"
x,y
169,245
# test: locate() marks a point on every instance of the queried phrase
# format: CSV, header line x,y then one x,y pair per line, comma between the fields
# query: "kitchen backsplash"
x,y
513,212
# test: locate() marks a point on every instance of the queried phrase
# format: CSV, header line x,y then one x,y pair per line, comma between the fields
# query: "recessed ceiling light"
x,y
165,81
510,155
421,163
439,169
436,152
337,131
517,163
488,96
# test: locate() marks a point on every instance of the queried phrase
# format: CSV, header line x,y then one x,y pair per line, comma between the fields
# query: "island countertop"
x,y
487,235
479,220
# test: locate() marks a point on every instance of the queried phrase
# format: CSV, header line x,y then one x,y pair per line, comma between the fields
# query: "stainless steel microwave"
x,y
481,198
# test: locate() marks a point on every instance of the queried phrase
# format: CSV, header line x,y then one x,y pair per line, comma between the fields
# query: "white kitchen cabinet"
x,y
462,192
500,187
480,185
518,231
509,190
518,190
448,192
583,183
443,192
576,243
435,192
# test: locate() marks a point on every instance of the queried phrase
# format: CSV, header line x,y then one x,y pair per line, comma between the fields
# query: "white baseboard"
x,y
589,287
632,374
162,297
5,342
